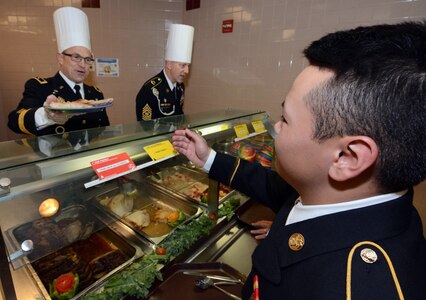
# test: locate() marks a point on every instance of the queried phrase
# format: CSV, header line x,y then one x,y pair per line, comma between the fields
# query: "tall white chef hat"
x,y
72,28
179,43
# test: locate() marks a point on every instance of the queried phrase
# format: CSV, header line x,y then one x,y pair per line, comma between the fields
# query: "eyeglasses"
x,y
78,58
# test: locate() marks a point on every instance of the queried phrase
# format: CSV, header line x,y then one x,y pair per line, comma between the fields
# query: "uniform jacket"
x,y
156,100
21,120
319,269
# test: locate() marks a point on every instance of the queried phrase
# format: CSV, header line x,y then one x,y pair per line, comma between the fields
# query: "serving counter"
x,y
57,215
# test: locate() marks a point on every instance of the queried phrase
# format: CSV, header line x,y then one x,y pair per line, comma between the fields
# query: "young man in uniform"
x,y
163,94
74,58
351,144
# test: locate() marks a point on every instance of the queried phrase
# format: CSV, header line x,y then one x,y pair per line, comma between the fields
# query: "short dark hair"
x,y
379,90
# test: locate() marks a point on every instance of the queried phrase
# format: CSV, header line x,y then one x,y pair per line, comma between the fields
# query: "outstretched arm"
x,y
192,145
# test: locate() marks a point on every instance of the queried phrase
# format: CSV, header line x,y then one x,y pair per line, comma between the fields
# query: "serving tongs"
x,y
214,277
207,282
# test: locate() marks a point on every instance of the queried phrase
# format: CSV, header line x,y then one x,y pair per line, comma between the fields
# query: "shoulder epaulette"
x,y
40,80
95,87
98,89
153,82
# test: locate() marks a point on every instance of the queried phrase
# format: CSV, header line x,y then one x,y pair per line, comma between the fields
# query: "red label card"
x,y
113,165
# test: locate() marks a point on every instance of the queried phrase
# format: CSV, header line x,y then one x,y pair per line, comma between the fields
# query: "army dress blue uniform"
x,y
21,120
156,100
357,252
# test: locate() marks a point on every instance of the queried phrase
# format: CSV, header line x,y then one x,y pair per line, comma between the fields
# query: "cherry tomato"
x,y
160,251
64,283
213,216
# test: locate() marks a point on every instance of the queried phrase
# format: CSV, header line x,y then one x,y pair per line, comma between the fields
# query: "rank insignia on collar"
x,y
40,80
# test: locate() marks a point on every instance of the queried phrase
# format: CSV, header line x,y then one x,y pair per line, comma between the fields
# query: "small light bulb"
x,y
48,207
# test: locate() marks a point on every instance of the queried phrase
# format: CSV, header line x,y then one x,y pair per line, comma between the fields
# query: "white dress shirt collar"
x,y
302,212
72,84
171,84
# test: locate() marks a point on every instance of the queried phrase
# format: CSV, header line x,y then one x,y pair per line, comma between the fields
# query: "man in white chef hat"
x,y
163,94
74,58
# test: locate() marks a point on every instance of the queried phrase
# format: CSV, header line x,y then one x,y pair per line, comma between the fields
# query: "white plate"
x,y
81,109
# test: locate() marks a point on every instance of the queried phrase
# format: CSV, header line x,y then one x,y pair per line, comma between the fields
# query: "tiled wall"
x,y
134,31
252,67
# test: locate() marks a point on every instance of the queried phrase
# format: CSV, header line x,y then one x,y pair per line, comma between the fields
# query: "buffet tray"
x,y
145,196
188,182
177,285
48,235
94,259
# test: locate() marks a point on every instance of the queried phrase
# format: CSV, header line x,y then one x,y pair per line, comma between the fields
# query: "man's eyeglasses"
x,y
78,58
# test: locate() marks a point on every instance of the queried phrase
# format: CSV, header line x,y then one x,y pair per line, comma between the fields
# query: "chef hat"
x,y
179,43
72,28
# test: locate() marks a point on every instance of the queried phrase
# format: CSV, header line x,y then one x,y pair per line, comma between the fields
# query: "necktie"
x,y
77,91
174,92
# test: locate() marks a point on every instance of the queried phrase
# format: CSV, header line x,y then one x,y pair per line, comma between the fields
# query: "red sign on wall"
x,y
227,26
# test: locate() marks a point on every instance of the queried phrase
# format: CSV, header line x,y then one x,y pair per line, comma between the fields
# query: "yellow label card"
x,y
160,150
258,126
241,130
224,127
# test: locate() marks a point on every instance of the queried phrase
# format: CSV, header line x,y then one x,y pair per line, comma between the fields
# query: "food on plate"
x,y
120,204
139,218
60,103
100,102
64,287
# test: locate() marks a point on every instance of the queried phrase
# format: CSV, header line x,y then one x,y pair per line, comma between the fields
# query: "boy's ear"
x,y
357,154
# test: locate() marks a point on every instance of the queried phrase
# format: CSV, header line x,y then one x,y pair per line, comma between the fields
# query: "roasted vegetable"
x,y
64,287
176,218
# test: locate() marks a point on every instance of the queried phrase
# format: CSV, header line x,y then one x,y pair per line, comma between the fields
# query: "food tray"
x,y
190,183
146,198
253,211
48,235
177,285
177,178
93,259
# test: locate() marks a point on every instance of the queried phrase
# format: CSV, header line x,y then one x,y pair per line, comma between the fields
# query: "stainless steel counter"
x,y
234,246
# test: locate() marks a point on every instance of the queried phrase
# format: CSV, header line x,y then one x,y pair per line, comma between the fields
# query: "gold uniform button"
x,y
368,255
83,122
296,241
